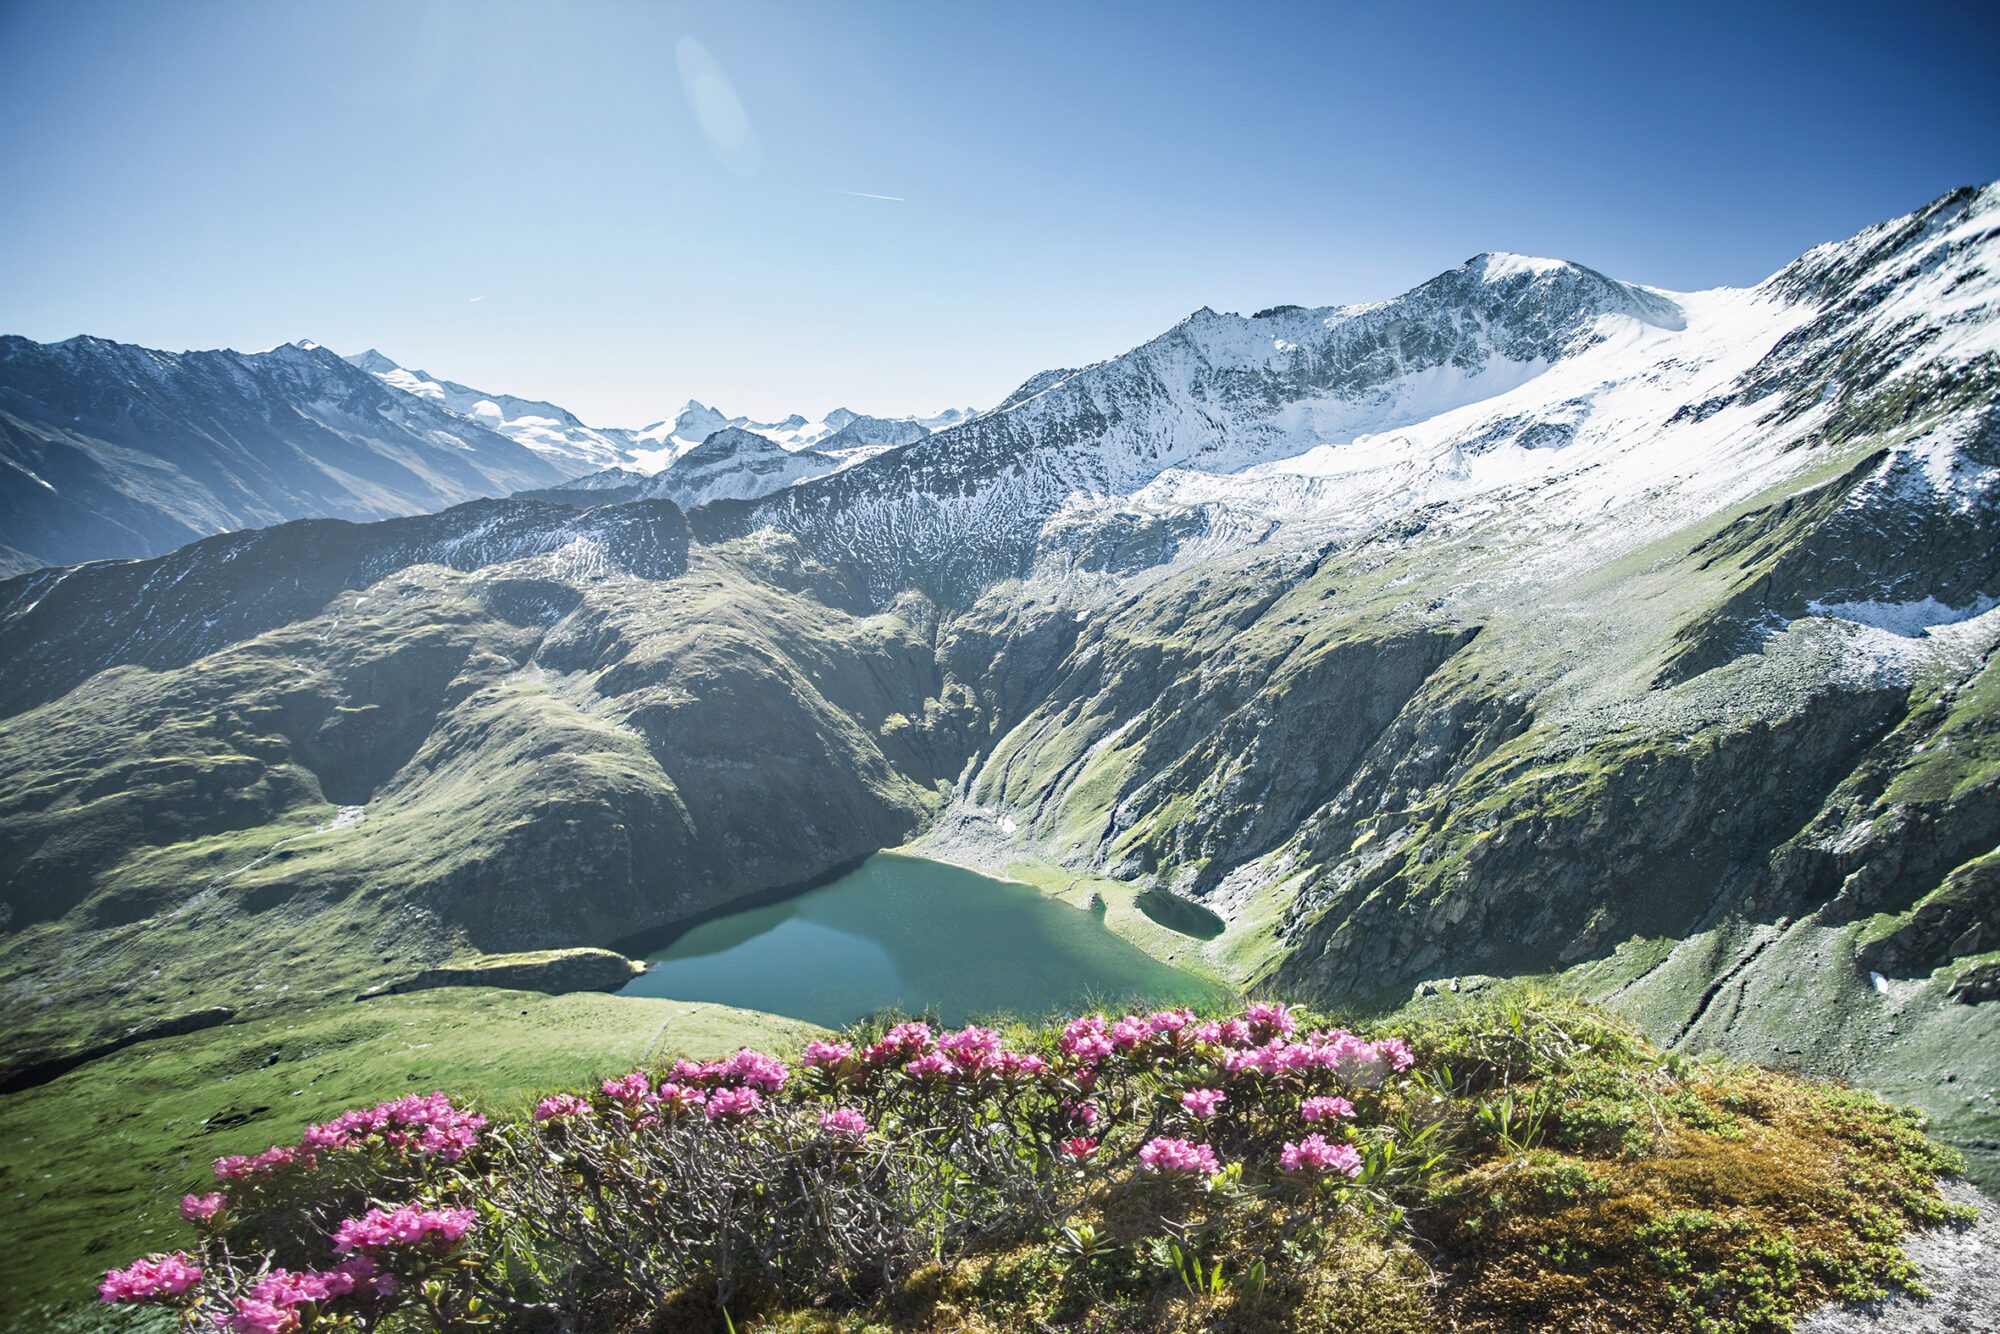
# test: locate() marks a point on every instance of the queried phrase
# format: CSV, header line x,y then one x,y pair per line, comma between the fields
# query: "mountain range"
x,y
1530,623
108,450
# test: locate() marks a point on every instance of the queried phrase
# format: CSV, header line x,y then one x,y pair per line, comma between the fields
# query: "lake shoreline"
x,y
908,932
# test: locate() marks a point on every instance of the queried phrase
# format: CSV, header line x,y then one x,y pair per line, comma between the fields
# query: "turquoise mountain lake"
x,y
916,934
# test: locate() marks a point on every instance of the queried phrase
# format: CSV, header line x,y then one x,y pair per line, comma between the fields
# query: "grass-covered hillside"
x,y
92,1162
1528,1164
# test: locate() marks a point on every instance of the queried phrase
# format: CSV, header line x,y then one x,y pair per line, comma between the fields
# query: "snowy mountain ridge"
x,y
545,428
1611,410
560,436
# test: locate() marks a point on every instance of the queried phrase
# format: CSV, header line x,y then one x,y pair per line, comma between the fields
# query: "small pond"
x,y
920,935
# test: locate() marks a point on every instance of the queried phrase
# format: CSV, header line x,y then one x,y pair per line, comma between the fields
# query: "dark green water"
x,y
902,931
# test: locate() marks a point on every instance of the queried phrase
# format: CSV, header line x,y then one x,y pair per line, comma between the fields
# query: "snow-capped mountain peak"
x,y
550,431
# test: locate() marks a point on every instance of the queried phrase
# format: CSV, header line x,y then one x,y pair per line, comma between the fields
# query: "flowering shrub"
x,y
880,1153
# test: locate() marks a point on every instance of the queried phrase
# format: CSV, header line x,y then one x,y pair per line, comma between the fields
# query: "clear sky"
x,y
621,206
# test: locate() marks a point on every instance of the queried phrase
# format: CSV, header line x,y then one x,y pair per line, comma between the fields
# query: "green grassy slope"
x,y
92,1164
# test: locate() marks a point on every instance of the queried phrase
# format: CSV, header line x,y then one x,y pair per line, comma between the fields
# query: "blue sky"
x,y
621,206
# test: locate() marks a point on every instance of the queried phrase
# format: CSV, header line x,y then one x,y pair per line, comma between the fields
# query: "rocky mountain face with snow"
x,y
107,449
845,434
1532,622
732,464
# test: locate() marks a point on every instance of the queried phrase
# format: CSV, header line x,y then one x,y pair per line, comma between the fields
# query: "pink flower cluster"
x,y
1268,1020
733,1104
430,1125
902,1043
1079,1148
635,1094
751,1069
1203,1103
1315,1154
202,1208
271,1307
1169,1155
633,1090
724,1090
1346,1057
826,1055
150,1279
233,1165
426,1124
844,1122
1323,1109
383,1229
1085,1040
561,1106
971,1052
1168,1028
677,1098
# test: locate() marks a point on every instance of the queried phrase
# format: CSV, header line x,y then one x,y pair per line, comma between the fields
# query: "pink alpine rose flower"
x,y
410,1225
1130,1032
1269,1020
931,1065
203,1208
1325,1109
1314,1154
629,1090
733,1104
844,1122
1166,1154
560,1107
252,1316
970,1047
674,1099
149,1279
825,1055
1203,1103
1079,1148
900,1043
1085,1039
753,1069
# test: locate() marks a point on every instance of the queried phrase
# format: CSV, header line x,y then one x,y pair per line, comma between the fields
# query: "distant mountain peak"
x,y
729,440
373,362
1498,265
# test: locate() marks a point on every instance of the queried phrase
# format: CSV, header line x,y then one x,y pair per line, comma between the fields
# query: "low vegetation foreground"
x,y
1511,1165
